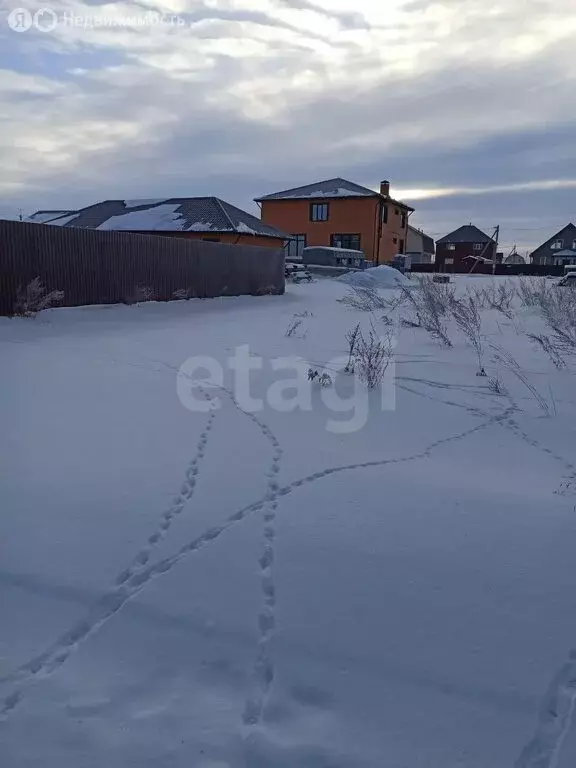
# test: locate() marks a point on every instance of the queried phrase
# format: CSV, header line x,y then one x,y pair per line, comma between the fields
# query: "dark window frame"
x,y
341,237
291,247
384,214
317,211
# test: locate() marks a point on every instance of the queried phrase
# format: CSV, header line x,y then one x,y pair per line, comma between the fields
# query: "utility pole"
x,y
496,236
482,257
19,214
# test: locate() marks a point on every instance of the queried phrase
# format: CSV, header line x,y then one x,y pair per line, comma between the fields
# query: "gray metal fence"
x,y
93,267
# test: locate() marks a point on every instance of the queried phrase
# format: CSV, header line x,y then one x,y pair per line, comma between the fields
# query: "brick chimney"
x,y
385,188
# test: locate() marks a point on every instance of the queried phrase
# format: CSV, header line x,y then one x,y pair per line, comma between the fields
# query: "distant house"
x,y
514,258
419,246
200,218
559,249
44,217
339,214
458,251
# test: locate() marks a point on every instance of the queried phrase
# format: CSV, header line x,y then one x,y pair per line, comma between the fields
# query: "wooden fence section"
x,y
93,267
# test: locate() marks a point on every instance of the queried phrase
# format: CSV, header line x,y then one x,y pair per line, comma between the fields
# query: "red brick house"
x,y
340,214
198,218
455,252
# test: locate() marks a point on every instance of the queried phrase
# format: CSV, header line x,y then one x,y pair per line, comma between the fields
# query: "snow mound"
x,y
376,277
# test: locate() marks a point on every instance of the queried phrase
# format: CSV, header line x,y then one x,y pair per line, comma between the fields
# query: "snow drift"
x,y
376,277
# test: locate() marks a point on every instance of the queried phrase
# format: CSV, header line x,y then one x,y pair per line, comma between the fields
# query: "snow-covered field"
x,y
222,588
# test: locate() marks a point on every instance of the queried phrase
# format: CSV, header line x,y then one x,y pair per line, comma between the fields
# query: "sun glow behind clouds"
x,y
527,186
251,95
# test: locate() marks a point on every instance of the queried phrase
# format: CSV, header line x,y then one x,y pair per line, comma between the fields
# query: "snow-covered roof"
x,y
160,218
327,190
332,248
322,189
43,217
61,221
566,253
182,214
143,201
515,258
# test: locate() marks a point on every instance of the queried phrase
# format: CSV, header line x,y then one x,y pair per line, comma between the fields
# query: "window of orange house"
x,y
319,212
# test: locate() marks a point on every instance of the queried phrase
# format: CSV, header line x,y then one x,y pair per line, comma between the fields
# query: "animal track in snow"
x,y
554,721
136,577
263,671
176,508
47,662
568,483
119,595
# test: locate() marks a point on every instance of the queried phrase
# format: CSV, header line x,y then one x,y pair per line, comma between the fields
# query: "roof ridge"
x,y
311,184
225,212
556,234
352,185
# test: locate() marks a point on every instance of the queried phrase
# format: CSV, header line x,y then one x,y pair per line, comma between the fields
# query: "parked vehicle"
x,y
569,268
325,256
568,280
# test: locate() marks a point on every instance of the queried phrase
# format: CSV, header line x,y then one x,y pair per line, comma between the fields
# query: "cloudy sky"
x,y
467,106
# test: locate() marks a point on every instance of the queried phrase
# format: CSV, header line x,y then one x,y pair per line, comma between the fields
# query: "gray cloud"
x,y
348,19
256,103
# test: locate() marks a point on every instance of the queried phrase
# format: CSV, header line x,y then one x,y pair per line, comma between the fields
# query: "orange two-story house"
x,y
340,214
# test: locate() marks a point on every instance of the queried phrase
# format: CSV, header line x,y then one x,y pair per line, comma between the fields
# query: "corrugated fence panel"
x,y
93,267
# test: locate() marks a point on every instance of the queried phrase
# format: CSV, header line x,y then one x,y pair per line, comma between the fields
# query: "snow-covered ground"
x,y
222,588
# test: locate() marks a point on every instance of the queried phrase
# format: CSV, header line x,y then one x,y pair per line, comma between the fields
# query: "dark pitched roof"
x,y
174,214
42,217
569,230
328,189
467,234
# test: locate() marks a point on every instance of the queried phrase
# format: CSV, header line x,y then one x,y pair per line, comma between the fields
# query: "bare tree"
x,y
508,361
183,293
532,290
479,296
500,297
34,298
372,357
431,307
469,321
558,310
140,294
352,339
495,385
293,326
548,346
368,299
